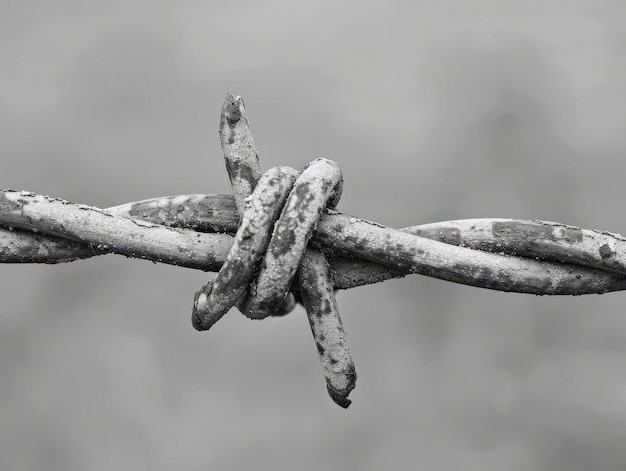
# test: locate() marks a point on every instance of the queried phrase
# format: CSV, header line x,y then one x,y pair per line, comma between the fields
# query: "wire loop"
x,y
270,247
250,244
319,183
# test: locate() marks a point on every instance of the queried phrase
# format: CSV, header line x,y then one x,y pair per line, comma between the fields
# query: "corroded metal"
x,y
262,209
319,182
279,236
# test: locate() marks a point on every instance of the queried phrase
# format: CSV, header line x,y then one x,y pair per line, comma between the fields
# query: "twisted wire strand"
x,y
289,240
167,230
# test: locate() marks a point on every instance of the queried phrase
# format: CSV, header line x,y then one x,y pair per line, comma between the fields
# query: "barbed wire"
x,y
278,241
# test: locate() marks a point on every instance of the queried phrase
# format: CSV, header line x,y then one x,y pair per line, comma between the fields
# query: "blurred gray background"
x,y
435,111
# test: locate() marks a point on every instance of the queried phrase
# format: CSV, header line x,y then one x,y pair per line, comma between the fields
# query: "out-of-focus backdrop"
x,y
434,111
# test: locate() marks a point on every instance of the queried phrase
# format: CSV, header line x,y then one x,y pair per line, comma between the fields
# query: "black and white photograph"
x,y
340,235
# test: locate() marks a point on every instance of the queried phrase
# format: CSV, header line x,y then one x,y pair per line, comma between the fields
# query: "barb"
x,y
244,171
330,337
242,159
261,263
281,246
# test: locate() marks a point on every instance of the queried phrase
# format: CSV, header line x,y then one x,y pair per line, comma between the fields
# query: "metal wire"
x,y
278,239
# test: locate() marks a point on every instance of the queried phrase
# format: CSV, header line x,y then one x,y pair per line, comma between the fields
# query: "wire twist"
x,y
291,245
278,211
271,245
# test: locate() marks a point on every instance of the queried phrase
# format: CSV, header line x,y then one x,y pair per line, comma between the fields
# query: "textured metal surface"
x,y
288,241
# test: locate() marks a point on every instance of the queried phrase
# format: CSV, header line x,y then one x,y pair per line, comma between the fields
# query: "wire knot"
x,y
275,228
270,250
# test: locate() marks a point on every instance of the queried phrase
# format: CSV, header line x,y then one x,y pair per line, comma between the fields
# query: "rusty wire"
x,y
278,240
